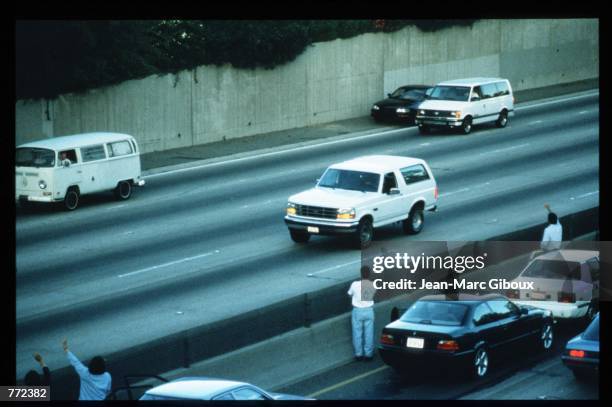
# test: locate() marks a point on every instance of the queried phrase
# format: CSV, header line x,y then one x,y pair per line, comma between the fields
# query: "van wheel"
x,y
502,120
71,200
414,223
466,127
365,233
299,236
423,129
123,190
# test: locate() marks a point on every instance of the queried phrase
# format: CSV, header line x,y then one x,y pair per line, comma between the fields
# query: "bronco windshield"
x,y
34,157
351,180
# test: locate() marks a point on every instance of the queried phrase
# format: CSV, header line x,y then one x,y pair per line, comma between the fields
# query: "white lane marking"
x,y
115,207
536,122
168,264
333,268
129,232
425,144
583,112
345,140
503,150
584,195
454,192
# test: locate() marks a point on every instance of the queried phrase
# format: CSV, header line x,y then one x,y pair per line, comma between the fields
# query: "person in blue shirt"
x,y
95,380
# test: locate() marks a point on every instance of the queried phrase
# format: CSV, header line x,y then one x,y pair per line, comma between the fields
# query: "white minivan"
x,y
64,168
462,103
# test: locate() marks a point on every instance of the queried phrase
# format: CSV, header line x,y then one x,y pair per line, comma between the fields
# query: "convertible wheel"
x,y
547,336
481,362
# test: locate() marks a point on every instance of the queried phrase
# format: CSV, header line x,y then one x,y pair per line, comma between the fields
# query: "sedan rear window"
x,y
436,313
351,180
592,332
553,269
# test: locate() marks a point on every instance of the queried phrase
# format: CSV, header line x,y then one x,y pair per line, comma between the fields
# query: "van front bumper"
x,y
321,227
33,198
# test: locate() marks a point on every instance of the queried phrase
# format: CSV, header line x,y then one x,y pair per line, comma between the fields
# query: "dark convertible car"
x,y
463,332
400,105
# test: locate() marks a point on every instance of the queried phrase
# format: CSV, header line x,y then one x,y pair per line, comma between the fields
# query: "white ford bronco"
x,y
356,196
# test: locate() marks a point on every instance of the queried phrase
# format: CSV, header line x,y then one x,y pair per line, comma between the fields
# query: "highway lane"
x,y
196,239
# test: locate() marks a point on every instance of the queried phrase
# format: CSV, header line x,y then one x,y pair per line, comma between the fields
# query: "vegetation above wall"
x,y
54,57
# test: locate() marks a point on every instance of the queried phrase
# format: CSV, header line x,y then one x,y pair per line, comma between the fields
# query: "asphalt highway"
x,y
203,244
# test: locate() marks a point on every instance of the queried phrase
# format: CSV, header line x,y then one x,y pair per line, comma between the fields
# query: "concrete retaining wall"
x,y
330,81
184,349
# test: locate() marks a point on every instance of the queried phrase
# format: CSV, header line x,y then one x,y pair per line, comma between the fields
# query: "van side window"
x,y
93,153
119,148
502,89
489,90
414,173
67,154
477,91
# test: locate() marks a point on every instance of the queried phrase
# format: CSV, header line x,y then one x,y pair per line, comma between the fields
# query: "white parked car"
x,y
206,388
462,103
566,282
356,196
67,167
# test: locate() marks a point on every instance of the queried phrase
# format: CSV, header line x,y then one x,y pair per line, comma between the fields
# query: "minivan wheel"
x,y
502,120
466,127
299,236
480,362
123,190
365,233
71,200
414,223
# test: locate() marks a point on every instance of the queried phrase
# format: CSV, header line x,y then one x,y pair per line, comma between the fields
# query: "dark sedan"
x,y
400,105
463,332
582,352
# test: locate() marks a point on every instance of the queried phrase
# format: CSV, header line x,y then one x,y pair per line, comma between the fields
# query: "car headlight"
x,y
348,213
422,112
402,110
456,114
375,107
42,184
291,208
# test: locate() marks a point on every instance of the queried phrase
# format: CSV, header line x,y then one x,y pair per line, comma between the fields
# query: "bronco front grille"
x,y
316,212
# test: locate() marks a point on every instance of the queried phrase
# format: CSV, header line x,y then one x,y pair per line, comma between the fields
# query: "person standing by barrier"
x,y
95,380
362,316
32,378
553,234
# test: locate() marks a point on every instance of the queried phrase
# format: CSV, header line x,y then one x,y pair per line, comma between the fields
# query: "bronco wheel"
x,y
299,236
414,223
365,233
502,120
466,127
481,362
123,190
71,200
547,336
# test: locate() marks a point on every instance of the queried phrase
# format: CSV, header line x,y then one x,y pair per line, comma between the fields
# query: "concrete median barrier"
x,y
277,344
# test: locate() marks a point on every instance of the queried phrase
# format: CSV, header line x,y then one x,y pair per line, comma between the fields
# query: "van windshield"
x,y
457,93
34,157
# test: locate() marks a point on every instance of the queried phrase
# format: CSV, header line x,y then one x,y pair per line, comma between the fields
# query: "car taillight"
x,y
436,193
566,297
448,345
516,294
577,353
387,339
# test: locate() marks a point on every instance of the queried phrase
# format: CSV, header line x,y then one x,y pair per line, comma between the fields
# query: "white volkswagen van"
x,y
462,103
64,168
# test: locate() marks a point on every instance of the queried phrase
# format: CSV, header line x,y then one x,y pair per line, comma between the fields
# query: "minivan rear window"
x,y
448,313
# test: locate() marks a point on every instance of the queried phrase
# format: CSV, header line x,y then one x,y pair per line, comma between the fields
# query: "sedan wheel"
x,y
547,336
481,362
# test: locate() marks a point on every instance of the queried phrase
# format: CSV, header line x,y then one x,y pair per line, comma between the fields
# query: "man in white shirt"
x,y
95,380
362,316
553,234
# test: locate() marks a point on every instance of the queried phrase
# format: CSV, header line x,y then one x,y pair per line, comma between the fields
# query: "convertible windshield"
x,y
408,93
435,313
34,157
351,180
458,93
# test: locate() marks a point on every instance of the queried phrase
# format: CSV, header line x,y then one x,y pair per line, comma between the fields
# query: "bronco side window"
x,y
390,182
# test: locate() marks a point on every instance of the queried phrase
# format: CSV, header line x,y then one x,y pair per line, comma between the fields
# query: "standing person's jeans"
x,y
362,320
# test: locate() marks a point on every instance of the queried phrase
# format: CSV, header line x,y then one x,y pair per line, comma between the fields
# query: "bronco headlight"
x,y
346,213
291,208
42,184
375,107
